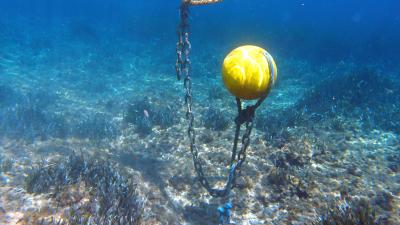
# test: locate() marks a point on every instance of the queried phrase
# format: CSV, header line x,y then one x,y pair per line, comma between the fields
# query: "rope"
x,y
225,213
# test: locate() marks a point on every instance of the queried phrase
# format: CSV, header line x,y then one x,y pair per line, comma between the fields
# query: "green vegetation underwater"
x,y
142,112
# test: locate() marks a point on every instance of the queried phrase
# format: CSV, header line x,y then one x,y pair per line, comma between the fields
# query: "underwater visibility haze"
x,y
285,112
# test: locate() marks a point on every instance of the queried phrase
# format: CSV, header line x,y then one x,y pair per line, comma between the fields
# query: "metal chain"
x,y
201,2
183,68
183,45
244,116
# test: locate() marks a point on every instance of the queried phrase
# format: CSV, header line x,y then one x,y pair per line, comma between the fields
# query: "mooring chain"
x,y
183,69
183,45
201,2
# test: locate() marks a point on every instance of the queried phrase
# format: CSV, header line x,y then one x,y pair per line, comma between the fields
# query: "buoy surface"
x,y
249,72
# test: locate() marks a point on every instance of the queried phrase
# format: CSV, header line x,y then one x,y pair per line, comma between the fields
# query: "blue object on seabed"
x,y
225,214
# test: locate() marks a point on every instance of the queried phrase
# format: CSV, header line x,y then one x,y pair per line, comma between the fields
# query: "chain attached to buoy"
x,y
260,89
249,72
183,69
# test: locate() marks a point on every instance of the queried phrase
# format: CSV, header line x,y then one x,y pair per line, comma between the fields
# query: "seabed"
x,y
107,107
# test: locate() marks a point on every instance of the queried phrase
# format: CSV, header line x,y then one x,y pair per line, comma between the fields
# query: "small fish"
x,y
389,91
146,113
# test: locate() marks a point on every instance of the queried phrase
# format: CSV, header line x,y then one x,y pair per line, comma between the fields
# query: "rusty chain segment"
x,y
201,2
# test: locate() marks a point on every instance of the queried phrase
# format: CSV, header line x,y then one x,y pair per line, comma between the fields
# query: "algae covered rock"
x,y
355,212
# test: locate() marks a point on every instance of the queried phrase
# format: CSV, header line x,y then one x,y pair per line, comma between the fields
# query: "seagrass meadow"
x,y
94,123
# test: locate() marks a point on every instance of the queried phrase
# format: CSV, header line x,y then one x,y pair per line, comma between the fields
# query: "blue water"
x,y
98,78
308,29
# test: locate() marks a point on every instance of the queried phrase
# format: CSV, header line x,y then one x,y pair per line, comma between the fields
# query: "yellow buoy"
x,y
249,72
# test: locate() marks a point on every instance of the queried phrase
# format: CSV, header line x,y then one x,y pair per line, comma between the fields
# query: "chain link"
x,y
183,69
201,2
